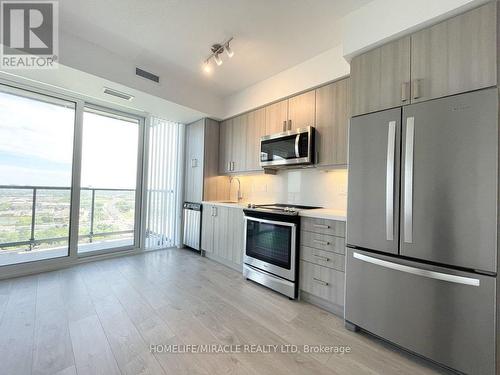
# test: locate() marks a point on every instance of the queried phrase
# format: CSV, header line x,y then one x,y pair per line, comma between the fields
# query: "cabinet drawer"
x,y
323,242
322,282
322,258
323,226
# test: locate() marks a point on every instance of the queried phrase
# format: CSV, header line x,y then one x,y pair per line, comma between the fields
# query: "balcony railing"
x,y
32,199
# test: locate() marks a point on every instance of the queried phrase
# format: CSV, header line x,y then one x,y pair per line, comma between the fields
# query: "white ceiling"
x,y
269,35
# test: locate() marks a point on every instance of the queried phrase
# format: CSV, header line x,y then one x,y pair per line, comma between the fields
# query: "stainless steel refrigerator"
x,y
421,261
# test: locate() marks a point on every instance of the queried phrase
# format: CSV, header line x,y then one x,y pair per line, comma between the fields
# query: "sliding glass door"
x,y
36,153
110,181
70,179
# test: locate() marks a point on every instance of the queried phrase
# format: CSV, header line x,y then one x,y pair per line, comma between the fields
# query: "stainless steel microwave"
x,y
294,147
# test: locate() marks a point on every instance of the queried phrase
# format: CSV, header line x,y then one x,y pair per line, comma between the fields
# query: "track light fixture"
x,y
217,50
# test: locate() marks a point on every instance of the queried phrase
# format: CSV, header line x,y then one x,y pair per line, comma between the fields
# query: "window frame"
x,y
81,102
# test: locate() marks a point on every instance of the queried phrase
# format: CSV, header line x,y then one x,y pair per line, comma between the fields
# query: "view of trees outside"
x,y
36,153
109,161
36,149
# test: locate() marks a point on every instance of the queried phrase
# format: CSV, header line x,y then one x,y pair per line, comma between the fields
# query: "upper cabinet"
x,y
238,144
454,56
381,78
277,117
301,109
232,145
332,117
256,128
296,112
226,146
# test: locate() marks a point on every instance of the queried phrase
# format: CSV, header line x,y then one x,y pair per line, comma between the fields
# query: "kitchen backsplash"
x,y
302,186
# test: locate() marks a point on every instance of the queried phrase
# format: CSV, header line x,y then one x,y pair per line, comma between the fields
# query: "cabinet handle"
x,y
324,243
229,166
416,88
289,124
321,257
322,226
284,125
215,211
194,163
320,281
232,166
404,91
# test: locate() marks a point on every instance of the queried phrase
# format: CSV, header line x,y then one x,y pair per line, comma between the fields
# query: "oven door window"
x,y
269,243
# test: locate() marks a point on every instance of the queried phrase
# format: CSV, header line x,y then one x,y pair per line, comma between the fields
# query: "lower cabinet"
x,y
222,234
322,263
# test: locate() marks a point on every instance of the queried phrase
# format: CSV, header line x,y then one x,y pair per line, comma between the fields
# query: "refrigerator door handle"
x,y
408,185
418,271
389,183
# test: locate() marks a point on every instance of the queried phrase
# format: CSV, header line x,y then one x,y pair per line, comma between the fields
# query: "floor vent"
x,y
147,75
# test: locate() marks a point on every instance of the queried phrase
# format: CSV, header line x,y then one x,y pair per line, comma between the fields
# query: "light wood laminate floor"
x,y
102,317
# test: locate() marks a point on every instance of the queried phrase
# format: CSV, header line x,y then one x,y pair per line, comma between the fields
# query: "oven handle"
x,y
251,218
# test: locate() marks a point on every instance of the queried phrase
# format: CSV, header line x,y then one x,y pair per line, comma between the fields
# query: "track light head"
x,y
207,68
217,59
229,51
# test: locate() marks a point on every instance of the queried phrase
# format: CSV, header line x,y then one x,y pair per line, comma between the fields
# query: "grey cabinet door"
x,y
372,213
455,56
449,180
301,110
221,231
277,117
207,228
332,116
256,128
225,146
238,144
193,188
236,225
380,78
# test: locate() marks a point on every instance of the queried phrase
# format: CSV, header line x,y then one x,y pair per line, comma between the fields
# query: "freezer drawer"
x,y
445,315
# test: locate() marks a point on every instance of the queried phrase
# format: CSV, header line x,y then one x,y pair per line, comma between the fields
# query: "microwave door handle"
x,y
297,140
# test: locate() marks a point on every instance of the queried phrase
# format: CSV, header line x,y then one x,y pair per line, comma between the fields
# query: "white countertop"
x,y
319,213
226,204
324,213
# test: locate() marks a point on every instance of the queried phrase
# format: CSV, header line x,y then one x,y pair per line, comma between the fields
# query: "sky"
x,y
36,146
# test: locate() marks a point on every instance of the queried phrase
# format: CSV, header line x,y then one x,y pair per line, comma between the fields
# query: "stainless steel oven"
x,y
295,147
271,249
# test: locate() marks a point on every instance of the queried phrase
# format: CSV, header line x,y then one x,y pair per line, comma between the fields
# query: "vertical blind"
x,y
162,183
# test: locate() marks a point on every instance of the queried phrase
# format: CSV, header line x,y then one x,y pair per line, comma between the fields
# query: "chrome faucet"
x,y
240,196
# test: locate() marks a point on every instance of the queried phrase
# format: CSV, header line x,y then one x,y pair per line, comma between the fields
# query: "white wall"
x,y
383,20
90,58
302,186
325,67
89,87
